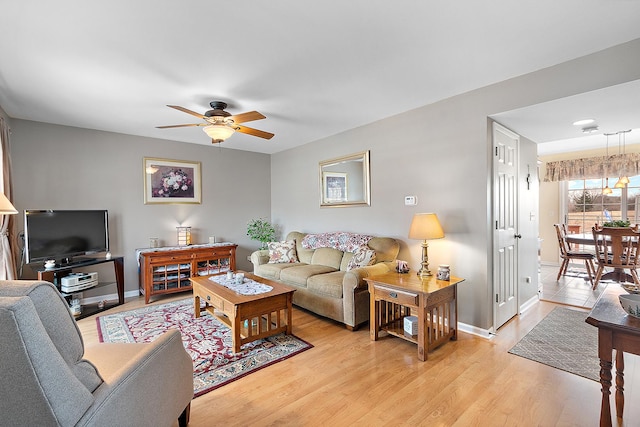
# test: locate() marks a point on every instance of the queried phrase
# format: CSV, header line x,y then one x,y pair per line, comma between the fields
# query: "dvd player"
x,y
75,282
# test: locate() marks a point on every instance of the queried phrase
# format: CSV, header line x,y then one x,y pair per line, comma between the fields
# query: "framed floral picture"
x,y
171,181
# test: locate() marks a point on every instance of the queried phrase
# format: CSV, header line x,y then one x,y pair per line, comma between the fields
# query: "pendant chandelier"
x,y
624,179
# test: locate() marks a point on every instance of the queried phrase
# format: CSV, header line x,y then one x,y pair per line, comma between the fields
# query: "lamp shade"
x,y
218,133
6,208
425,226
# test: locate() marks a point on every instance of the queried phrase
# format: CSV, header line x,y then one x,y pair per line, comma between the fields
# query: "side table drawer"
x,y
395,296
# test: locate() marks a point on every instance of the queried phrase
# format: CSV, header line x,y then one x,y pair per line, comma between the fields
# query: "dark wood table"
x,y
616,330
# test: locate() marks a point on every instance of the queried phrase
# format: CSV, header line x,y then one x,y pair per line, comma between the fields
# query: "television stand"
x,y
54,275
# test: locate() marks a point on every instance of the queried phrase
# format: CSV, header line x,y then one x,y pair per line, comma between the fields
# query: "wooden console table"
x,y
168,270
616,330
393,296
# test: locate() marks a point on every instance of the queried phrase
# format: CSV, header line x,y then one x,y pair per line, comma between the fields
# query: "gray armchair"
x,y
48,379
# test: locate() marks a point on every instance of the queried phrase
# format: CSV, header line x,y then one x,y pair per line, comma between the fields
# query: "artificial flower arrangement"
x,y
173,182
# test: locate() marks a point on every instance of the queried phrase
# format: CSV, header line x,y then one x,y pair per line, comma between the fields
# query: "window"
x,y
586,205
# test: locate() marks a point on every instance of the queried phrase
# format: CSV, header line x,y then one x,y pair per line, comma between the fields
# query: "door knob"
x,y
518,236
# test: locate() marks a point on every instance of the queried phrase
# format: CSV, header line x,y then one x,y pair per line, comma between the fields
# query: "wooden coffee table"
x,y
250,317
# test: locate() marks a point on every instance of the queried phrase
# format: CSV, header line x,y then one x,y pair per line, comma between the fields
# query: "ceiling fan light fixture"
x,y
218,132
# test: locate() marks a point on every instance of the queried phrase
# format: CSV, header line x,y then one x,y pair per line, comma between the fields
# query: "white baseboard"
x,y
530,303
474,330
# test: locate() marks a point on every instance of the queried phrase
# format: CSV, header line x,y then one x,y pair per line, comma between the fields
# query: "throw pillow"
x,y
282,252
362,257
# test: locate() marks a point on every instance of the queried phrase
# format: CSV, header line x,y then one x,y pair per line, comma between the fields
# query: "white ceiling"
x,y
550,124
313,68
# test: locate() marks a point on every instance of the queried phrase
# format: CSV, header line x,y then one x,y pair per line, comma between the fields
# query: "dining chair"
x,y
617,248
567,254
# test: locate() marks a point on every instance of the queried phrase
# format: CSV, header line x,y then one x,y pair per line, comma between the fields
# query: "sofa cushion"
x,y
299,274
329,284
346,242
362,257
386,248
282,252
272,271
327,256
346,259
304,255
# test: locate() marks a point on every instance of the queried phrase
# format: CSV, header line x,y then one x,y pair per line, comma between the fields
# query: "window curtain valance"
x,y
593,167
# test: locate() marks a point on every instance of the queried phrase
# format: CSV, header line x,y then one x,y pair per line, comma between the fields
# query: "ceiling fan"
x,y
220,124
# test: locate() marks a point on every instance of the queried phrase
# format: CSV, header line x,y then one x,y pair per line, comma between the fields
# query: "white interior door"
x,y
505,218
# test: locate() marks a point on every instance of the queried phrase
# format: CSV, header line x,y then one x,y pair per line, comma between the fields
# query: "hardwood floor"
x,y
348,380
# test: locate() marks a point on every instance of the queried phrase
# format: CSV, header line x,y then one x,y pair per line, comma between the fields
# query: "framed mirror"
x,y
345,181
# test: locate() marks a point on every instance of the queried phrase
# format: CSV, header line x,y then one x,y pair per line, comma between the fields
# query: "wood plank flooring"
x,y
348,380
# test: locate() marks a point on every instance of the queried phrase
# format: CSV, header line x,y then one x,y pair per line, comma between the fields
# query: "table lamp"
x,y
425,226
184,236
6,208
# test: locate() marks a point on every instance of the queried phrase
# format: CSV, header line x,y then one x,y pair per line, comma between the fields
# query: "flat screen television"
x,y
62,234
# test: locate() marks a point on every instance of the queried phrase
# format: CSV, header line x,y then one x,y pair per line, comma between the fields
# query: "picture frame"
x,y
168,181
335,187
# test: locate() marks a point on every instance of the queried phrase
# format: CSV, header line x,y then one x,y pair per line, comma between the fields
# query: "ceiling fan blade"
x,y
254,132
185,110
182,126
247,117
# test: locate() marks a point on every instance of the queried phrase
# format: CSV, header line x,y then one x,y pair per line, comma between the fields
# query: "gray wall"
x,y
58,167
439,153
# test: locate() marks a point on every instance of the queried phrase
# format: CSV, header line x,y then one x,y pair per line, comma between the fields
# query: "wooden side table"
x,y
393,296
616,330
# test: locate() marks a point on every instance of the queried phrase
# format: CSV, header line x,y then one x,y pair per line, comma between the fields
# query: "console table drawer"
x,y
396,296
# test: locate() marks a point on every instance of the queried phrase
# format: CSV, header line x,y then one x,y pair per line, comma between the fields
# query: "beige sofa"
x,y
322,279
48,379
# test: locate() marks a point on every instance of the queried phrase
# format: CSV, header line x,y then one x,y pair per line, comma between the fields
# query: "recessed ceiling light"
x,y
584,122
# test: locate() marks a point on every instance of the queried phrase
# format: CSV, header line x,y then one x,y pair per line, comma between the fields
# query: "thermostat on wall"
x,y
410,200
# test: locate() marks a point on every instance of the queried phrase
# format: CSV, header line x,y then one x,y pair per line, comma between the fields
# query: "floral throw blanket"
x,y
346,242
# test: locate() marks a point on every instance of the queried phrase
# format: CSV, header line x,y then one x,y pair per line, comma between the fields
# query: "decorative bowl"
x,y
632,288
631,304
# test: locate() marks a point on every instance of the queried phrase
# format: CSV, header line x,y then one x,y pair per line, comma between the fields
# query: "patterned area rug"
x,y
206,339
564,341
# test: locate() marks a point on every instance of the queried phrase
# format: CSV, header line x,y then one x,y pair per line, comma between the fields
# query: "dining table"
x,y
580,239
587,239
